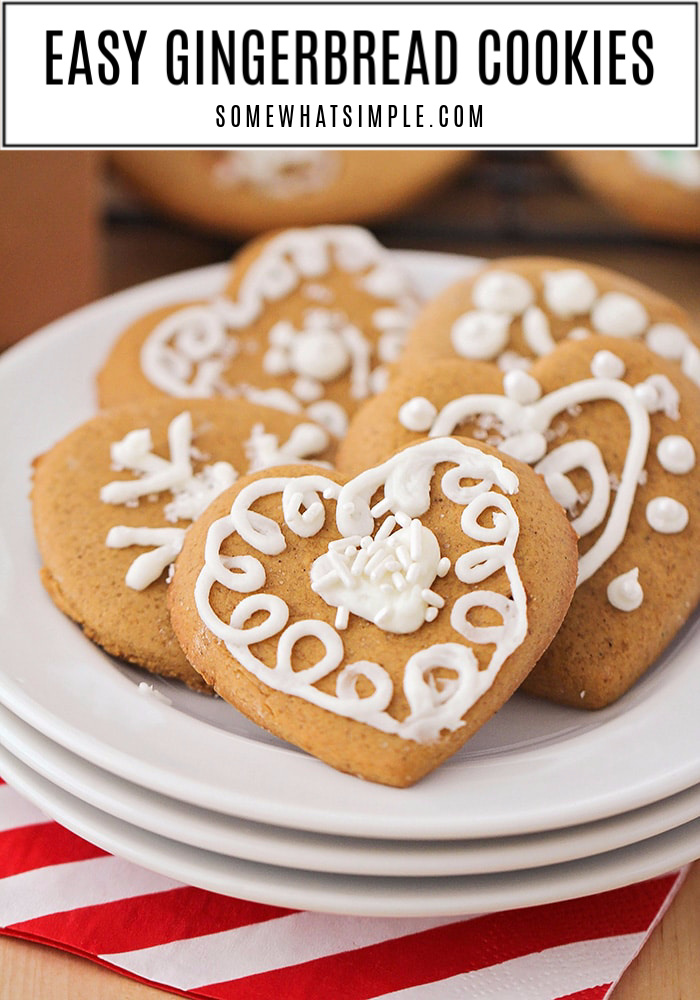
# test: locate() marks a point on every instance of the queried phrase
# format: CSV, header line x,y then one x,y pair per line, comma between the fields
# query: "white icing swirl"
x,y
384,575
666,515
192,493
278,173
520,424
676,454
187,354
625,591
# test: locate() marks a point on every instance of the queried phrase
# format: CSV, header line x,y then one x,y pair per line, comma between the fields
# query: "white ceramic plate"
x,y
533,767
355,894
318,852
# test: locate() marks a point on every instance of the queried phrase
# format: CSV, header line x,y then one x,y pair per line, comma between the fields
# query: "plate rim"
x,y
417,820
356,895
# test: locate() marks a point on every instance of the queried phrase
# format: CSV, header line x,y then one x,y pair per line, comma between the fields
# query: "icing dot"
x,y
676,454
605,364
568,293
480,336
528,446
625,591
521,387
619,315
666,515
319,354
417,414
503,291
667,340
578,333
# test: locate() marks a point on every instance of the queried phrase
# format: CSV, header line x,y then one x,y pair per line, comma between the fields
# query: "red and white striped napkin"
x,y
60,890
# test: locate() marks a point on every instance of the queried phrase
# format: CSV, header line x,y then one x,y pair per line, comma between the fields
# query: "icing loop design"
x,y
524,430
382,567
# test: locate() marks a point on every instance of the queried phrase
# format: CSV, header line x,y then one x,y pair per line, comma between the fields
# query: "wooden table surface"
x,y
136,249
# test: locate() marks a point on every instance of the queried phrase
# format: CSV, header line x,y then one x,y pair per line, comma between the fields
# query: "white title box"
x,y
350,74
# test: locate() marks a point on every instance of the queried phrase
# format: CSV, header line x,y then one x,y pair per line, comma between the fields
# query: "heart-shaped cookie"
x,y
308,322
112,502
376,622
614,431
519,308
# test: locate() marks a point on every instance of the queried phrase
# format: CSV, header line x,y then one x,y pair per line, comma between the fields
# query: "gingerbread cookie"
x,y
308,322
376,622
112,502
248,191
656,189
518,309
614,431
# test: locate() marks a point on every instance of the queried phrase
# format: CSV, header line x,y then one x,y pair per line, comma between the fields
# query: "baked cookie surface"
x,y
614,431
245,192
112,502
376,622
518,309
308,322
656,189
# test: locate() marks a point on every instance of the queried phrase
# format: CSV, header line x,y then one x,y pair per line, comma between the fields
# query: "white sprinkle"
x,y
386,529
413,572
360,562
403,556
415,541
380,508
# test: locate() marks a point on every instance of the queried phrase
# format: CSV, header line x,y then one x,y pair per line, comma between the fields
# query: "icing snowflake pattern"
x,y
398,583
191,492
187,353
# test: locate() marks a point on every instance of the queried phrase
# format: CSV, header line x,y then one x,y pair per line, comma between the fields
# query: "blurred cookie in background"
x,y
244,192
656,189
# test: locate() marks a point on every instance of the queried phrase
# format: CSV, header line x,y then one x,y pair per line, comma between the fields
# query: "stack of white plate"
x,y
545,803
